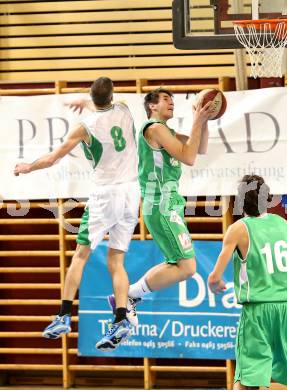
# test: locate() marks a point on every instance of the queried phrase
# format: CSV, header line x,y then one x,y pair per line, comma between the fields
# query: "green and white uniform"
x,y
260,282
163,207
113,203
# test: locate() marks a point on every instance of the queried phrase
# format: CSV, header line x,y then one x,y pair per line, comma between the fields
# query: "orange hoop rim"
x,y
259,22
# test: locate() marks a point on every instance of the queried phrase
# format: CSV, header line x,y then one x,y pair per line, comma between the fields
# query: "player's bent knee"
x,y
189,267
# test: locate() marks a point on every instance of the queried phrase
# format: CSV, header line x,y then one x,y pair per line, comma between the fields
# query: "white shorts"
x,y
110,209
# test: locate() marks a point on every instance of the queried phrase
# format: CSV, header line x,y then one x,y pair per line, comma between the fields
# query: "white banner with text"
x,y
251,137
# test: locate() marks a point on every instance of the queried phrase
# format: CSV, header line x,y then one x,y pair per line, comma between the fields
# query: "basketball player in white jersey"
x,y
107,137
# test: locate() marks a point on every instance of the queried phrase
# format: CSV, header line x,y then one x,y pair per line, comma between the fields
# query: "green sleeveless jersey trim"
x,y
93,151
159,172
262,275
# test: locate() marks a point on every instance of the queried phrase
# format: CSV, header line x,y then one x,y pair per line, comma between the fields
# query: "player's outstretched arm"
x,y
76,136
230,241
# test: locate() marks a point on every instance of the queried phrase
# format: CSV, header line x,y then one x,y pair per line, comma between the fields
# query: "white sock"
x,y
139,289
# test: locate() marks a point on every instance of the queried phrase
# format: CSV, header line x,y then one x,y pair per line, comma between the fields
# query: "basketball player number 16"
x,y
280,252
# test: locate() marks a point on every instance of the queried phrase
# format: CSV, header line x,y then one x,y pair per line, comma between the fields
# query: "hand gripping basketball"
x,y
219,104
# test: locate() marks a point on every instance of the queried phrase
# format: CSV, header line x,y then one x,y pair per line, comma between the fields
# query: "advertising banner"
x,y
251,137
185,320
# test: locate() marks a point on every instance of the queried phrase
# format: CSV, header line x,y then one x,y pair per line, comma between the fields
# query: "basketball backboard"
x,y
207,24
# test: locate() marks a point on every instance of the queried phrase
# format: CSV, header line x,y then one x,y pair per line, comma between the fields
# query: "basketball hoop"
x,y
265,41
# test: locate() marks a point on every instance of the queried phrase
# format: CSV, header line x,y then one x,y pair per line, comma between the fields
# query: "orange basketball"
x,y
218,99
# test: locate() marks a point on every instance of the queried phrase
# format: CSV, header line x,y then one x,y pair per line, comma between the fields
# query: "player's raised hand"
x,y
77,105
21,168
202,113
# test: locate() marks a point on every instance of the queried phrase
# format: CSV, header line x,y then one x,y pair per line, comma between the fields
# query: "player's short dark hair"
x,y
102,91
153,97
254,194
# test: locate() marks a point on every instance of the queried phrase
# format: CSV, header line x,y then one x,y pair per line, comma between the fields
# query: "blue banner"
x,y
185,320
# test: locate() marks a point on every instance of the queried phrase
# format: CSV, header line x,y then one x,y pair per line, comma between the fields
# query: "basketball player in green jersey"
x,y
258,244
161,151
107,137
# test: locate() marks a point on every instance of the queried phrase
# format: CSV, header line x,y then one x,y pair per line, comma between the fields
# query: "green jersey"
x,y
159,172
262,275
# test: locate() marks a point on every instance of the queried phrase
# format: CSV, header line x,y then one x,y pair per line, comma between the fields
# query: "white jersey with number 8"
x,y
112,147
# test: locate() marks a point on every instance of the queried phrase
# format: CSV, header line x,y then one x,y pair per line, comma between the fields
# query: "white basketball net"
x,y
265,45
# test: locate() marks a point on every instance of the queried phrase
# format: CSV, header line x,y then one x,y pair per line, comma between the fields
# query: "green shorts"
x,y
168,229
83,233
261,346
